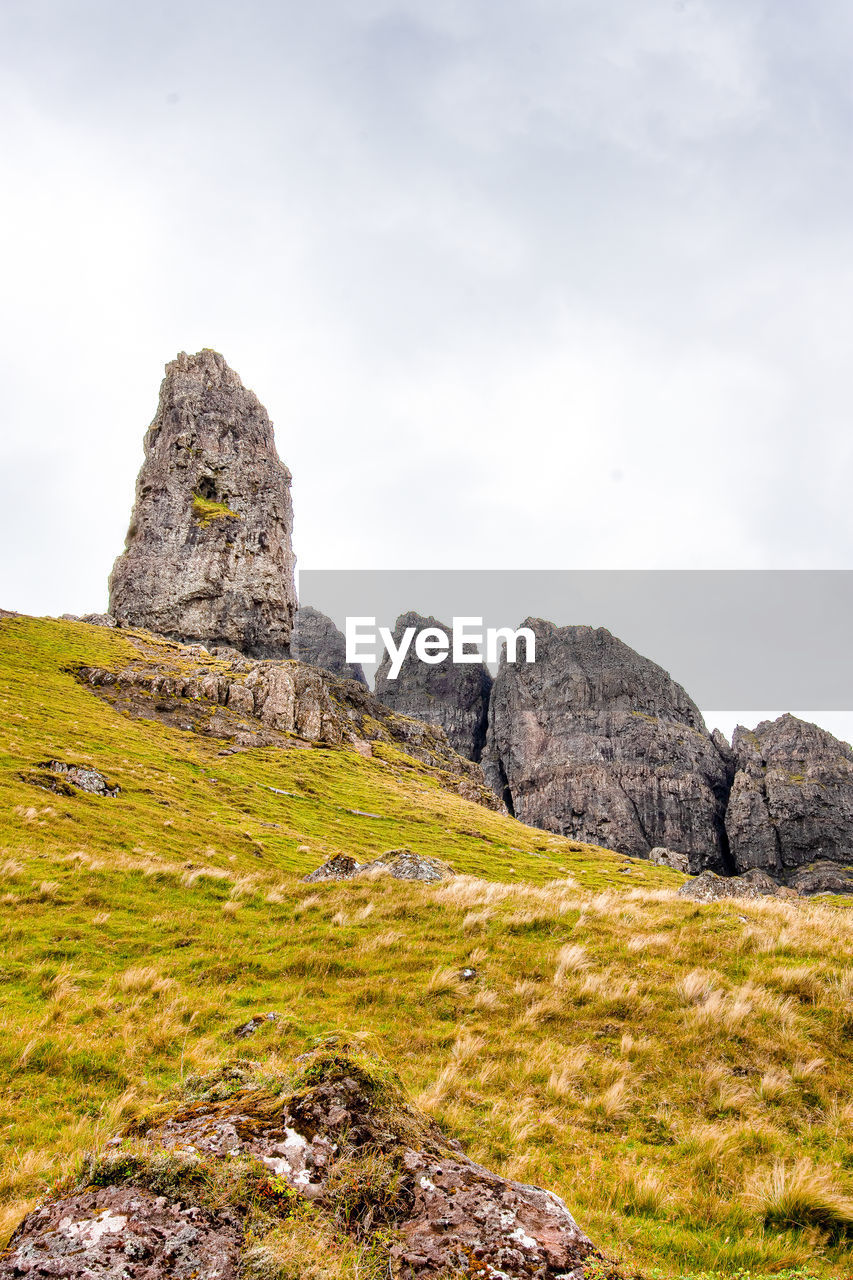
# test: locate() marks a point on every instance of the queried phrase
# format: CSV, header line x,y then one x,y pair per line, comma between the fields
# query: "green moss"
x,y
206,511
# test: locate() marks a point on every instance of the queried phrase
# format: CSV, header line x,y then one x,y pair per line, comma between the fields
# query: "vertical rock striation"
x,y
454,696
597,743
208,554
317,641
791,802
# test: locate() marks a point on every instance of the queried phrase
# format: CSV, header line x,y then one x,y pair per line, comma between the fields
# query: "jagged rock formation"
x,y
455,696
597,743
316,640
208,553
286,704
341,1135
791,802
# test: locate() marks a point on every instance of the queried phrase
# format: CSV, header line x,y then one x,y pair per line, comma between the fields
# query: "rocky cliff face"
x,y
208,554
791,802
318,641
597,743
454,696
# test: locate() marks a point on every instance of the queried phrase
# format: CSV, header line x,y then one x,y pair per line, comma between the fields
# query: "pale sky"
x,y
560,284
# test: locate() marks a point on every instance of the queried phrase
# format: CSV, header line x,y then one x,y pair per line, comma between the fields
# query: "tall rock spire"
x,y
208,554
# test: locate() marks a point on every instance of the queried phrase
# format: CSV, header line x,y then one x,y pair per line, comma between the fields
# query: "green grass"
x,y
654,1061
205,511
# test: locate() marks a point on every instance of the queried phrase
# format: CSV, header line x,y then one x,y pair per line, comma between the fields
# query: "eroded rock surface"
x,y
340,1134
402,864
208,555
250,703
670,858
452,695
68,779
597,743
791,802
709,887
316,640
124,1231
822,877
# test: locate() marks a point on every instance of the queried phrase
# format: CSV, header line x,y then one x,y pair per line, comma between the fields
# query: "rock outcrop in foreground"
x,y
791,802
208,555
597,743
286,704
455,696
203,1188
318,641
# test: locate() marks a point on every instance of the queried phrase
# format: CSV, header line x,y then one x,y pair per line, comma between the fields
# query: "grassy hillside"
x,y
679,1074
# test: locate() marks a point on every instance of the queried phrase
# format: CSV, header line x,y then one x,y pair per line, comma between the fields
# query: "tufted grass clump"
x,y
802,1194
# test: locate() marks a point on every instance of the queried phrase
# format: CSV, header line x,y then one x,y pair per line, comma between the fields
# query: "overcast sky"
x,y
564,283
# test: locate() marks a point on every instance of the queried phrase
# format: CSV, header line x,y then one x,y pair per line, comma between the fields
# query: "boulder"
x,y
124,1231
822,877
791,802
67,779
239,1147
709,887
594,742
669,858
316,640
452,695
208,553
401,864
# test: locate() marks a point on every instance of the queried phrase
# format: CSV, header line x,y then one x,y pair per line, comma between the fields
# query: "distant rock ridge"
x,y
595,742
454,696
208,555
316,640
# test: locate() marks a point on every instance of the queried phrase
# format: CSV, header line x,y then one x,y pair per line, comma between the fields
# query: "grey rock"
x,y
99,619
791,802
341,867
208,554
249,1028
402,864
124,1231
433,1213
668,858
594,742
452,695
317,641
709,887
57,775
822,877
249,703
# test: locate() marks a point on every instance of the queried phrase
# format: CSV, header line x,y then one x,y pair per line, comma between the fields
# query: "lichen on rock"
x,y
216,1175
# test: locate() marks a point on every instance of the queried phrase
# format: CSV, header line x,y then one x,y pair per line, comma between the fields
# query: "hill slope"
x,y
679,1074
